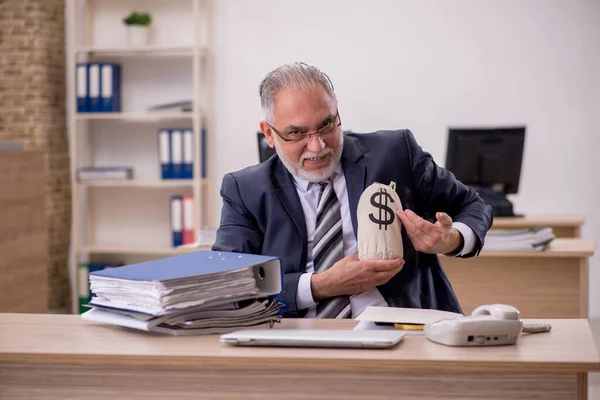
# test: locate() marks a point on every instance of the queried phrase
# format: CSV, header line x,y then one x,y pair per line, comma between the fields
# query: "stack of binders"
x,y
98,87
198,293
182,220
176,153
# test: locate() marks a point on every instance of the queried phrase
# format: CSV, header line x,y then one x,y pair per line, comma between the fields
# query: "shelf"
x,y
567,220
135,116
132,183
141,249
128,249
149,50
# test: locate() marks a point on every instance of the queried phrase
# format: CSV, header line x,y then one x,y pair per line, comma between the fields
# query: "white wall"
x,y
425,65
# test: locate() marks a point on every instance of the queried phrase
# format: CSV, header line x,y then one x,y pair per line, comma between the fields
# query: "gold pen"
x,y
409,327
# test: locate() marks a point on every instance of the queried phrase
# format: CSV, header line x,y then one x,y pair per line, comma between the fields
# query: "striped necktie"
x,y
328,248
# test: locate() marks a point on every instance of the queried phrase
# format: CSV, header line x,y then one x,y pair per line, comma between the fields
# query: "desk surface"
x,y
67,339
559,247
538,220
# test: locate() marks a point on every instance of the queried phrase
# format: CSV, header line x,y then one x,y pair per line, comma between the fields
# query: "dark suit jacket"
x,y
262,214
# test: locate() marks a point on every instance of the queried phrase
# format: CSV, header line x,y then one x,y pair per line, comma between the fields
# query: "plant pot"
x,y
138,35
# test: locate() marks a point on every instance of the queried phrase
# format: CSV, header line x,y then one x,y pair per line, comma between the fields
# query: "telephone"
x,y
488,325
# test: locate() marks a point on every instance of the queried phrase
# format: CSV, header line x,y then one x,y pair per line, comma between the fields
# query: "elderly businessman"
x,y
300,205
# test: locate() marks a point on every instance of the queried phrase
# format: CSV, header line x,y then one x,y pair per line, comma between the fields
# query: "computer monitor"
x,y
264,151
489,160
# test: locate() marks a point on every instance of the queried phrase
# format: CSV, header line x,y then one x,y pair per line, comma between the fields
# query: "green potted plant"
x,y
138,28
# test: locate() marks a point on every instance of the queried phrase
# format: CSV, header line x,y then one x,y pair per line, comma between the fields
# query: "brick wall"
x,y
32,110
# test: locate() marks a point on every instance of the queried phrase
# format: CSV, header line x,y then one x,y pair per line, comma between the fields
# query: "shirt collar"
x,y
303,184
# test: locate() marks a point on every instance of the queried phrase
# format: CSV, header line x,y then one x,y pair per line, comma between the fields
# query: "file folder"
x,y
188,154
177,153
94,87
164,153
176,221
82,87
189,235
110,87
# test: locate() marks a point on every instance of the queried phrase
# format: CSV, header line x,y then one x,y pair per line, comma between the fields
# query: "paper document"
x,y
397,315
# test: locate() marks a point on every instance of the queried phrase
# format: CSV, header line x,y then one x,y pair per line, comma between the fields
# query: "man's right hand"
x,y
349,276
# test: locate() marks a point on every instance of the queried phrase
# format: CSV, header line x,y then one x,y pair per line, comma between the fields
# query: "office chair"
x,y
264,151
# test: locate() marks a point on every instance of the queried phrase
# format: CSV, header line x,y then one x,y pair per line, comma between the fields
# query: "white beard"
x,y
320,175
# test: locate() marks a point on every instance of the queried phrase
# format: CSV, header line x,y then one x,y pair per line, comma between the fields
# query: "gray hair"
x,y
299,75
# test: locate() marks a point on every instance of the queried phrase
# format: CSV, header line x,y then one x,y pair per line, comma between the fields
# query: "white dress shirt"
x,y
309,196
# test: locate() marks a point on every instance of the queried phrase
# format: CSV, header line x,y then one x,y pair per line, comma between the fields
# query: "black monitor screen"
x,y
486,157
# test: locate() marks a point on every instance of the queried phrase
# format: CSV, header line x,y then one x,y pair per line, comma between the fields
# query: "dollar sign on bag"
x,y
380,200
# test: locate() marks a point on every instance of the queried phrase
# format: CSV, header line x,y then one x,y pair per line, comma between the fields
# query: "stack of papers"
x,y
534,239
85,174
197,293
184,105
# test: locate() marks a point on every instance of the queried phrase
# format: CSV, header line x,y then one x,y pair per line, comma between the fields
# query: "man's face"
x,y
299,111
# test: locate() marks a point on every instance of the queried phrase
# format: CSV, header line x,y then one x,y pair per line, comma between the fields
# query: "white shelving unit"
x,y
134,51
129,219
134,116
173,183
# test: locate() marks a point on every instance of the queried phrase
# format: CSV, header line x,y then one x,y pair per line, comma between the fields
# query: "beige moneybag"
x,y
379,228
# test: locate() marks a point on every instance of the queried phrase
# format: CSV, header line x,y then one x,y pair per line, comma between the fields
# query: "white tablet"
x,y
313,338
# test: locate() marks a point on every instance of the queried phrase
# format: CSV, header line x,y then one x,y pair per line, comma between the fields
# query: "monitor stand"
x,y
501,206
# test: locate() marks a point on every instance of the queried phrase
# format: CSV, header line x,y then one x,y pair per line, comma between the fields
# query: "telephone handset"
x,y
498,311
488,325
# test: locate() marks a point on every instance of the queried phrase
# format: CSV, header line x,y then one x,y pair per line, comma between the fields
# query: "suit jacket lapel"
x,y
355,174
285,189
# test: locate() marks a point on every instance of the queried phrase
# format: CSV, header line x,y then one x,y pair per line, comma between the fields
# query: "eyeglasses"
x,y
323,132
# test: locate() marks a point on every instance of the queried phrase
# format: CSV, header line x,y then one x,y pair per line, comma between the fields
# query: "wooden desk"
x,y
563,226
548,284
62,356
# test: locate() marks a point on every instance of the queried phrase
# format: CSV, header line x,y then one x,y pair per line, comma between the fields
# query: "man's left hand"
x,y
438,238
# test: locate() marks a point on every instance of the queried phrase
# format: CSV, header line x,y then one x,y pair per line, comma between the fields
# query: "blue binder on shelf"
x,y
176,218
82,87
164,153
94,88
177,153
188,154
110,87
